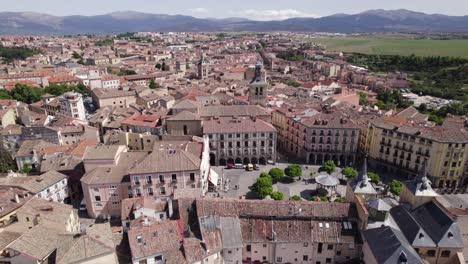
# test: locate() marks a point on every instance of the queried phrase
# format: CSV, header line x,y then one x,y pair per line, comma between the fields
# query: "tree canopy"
x,y
374,177
16,53
263,186
278,196
349,172
295,198
293,170
396,187
276,174
328,166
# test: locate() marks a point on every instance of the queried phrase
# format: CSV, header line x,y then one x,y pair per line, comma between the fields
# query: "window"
x,y
158,258
319,248
330,247
305,258
338,253
264,245
328,260
431,253
279,259
150,191
306,244
249,248
136,179
115,203
138,239
161,178
148,179
445,253
174,178
27,219
96,189
162,190
97,198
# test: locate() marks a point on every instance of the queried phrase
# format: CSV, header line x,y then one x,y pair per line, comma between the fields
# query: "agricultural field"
x,y
394,45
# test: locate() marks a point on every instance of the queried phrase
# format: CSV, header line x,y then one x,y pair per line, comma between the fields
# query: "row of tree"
x,y
28,94
8,54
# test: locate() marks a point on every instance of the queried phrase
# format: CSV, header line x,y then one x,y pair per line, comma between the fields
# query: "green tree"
x,y
328,166
5,95
26,169
295,198
6,161
77,56
374,177
276,174
396,187
158,66
340,200
278,196
324,199
293,171
152,84
349,172
26,94
263,186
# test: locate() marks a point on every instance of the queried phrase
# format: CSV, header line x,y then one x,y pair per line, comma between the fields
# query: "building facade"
x,y
240,140
71,104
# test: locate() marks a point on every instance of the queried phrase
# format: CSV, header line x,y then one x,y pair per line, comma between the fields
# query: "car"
x,y
230,166
256,167
82,205
249,167
239,166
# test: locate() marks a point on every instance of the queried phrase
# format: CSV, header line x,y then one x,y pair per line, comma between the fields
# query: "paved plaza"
x,y
245,179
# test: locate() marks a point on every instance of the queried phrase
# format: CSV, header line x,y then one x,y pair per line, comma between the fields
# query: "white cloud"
x,y
199,10
271,14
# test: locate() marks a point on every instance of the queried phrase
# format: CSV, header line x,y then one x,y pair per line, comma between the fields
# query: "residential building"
x,y
402,144
113,98
53,215
7,117
277,231
240,140
142,123
11,200
169,168
52,185
184,123
146,210
318,136
71,104
53,246
239,111
30,153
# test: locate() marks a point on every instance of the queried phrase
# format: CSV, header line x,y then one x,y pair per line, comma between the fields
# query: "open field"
x,y
396,46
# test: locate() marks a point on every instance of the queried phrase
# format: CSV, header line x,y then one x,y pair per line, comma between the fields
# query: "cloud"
x,y
199,10
271,14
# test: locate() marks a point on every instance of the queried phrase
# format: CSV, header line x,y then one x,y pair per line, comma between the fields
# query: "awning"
x,y
213,177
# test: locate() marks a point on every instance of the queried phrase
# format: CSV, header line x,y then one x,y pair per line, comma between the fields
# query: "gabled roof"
x,y
389,246
441,228
413,232
184,116
167,161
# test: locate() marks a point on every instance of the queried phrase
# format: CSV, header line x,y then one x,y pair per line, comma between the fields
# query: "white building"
x,y
71,104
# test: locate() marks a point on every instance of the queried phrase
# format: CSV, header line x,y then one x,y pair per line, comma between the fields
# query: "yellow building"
x,y
401,144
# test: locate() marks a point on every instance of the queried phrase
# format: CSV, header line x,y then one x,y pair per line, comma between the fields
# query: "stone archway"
x,y
212,159
254,160
262,160
238,160
222,162
246,161
231,160
319,159
312,159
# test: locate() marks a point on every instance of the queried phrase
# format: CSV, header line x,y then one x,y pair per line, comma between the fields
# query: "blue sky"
x,y
253,9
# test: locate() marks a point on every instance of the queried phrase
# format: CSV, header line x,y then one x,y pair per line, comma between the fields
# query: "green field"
x,y
396,46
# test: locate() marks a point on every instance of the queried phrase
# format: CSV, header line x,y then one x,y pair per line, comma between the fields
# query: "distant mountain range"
x,y
130,21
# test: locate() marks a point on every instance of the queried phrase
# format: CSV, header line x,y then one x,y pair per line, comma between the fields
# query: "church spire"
x,y
421,178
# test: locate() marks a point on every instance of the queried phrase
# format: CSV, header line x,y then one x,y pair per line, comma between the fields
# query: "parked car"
x,y
256,167
230,166
249,167
239,166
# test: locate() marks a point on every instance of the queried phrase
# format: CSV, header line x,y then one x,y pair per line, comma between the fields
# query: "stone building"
x,y
240,140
